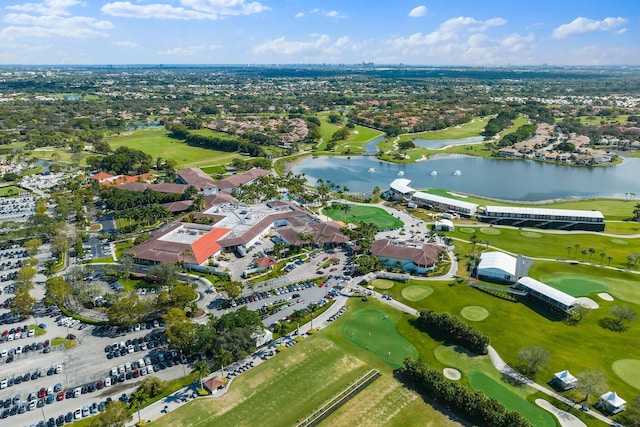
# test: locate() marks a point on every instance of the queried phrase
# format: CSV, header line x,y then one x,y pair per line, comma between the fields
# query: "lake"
x,y
523,180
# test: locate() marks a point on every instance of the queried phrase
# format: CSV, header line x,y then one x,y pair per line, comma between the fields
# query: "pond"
x,y
525,180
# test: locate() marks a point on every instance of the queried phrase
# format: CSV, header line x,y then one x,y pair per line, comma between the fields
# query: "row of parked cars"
x,y
237,371
17,333
53,370
43,346
338,314
6,277
148,342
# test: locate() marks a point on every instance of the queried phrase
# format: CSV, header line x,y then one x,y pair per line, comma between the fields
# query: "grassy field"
x,y
375,332
356,213
556,246
157,143
512,401
358,137
575,346
473,128
295,382
10,191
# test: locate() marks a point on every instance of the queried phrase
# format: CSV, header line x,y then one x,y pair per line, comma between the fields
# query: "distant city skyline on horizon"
x,y
296,32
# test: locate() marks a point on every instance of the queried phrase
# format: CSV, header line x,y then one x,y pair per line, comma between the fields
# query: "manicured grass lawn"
x,y
358,136
378,216
375,331
555,246
536,415
622,285
416,292
466,130
157,143
121,247
383,283
574,285
628,370
291,385
474,313
578,346
10,191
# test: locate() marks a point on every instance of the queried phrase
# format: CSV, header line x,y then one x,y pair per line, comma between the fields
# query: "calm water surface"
x,y
525,180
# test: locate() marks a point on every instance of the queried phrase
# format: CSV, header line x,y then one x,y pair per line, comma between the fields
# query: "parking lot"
x,y
84,366
17,208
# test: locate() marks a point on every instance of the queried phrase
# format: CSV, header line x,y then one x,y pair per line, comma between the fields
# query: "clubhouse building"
x,y
409,255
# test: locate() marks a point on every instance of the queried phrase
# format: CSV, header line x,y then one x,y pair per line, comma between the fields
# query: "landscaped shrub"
x,y
453,329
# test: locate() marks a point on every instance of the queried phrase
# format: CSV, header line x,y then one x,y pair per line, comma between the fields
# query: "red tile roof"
x,y
100,176
236,180
208,245
421,254
196,177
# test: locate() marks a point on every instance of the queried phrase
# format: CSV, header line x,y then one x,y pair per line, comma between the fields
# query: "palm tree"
x,y
609,258
199,202
591,252
312,309
602,255
584,253
636,212
138,398
281,329
569,250
223,357
296,316
201,367
577,246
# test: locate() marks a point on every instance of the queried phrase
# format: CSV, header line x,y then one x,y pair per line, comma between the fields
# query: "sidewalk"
x,y
184,395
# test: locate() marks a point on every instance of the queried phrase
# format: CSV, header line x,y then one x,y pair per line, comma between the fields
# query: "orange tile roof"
x,y
101,175
207,245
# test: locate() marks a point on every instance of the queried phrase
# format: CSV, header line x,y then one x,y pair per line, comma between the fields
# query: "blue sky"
x,y
423,32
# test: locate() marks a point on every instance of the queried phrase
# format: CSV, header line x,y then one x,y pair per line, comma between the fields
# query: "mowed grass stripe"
x,y
297,381
371,214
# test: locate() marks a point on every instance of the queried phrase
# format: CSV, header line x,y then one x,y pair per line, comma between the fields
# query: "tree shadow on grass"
x,y
612,324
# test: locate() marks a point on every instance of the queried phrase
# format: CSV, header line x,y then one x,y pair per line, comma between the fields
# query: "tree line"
x,y
472,405
453,329
214,143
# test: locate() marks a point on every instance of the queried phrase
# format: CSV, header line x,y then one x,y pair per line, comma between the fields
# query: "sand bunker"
x,y
588,302
452,374
605,296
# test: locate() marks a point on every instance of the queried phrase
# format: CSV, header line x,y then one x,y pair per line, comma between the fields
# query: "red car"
x,y
42,392
46,343
60,396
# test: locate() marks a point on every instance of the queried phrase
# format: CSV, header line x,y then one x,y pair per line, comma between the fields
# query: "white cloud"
x,y
583,25
47,7
418,12
322,47
127,43
189,9
22,25
450,30
188,50
328,13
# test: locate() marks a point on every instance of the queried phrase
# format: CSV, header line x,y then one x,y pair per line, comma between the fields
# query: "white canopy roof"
x,y
613,399
566,377
548,291
472,207
498,260
401,185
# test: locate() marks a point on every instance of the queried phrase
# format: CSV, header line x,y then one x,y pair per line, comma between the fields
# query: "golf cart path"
x,y
502,367
564,418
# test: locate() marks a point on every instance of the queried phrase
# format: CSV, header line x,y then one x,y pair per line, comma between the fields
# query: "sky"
x,y
421,32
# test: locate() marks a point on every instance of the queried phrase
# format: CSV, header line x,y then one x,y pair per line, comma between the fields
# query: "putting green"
x,y
621,242
416,292
574,285
531,234
467,230
383,283
536,415
628,370
375,331
490,230
474,313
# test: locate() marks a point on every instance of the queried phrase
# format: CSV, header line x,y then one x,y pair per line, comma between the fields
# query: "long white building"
x,y
563,219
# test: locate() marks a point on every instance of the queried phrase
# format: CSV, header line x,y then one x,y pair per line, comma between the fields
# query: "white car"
x,y
3,383
18,350
141,363
114,371
58,369
77,414
149,369
107,382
